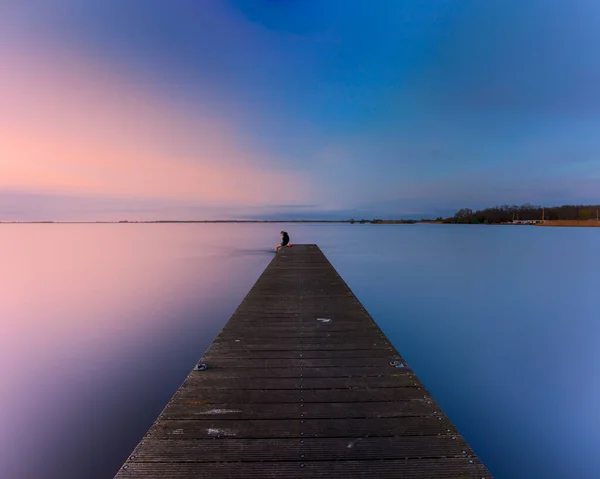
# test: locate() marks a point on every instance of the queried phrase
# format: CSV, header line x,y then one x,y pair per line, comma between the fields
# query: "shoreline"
x,y
571,223
546,223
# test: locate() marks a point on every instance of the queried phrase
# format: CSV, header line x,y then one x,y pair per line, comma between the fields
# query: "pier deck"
x,y
302,383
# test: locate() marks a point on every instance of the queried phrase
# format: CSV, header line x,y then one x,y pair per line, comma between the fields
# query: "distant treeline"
x,y
526,212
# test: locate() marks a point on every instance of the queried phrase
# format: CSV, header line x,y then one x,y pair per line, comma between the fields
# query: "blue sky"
x,y
298,108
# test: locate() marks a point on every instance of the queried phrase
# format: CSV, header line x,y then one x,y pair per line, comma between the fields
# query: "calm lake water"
x,y
101,323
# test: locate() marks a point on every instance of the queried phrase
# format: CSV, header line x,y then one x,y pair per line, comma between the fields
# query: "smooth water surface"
x,y
101,323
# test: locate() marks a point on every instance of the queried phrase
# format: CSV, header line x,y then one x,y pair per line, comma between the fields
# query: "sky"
x,y
289,109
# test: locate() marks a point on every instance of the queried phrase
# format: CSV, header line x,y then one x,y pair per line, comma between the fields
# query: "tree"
x,y
507,213
463,215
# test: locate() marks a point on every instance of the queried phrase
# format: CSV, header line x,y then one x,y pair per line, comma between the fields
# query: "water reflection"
x,y
101,324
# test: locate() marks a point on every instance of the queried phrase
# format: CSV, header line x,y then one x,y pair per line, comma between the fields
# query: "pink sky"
x,y
71,126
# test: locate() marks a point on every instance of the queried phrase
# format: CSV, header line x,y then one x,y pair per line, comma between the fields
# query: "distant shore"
x,y
581,223
556,223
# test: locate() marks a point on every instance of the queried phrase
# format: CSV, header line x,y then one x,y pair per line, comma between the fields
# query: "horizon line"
x,y
211,221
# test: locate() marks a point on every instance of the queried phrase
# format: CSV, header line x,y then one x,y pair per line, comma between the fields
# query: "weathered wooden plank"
x,y
282,428
338,306
301,382
293,318
253,363
440,468
283,289
194,409
270,396
278,308
310,354
296,372
301,345
291,335
294,331
310,449
198,381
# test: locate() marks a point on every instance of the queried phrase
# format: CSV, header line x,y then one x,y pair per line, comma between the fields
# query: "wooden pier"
x,y
302,383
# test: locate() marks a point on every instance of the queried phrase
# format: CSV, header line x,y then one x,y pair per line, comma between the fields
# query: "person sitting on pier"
x,y
285,241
